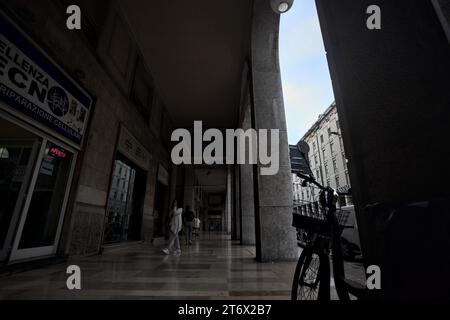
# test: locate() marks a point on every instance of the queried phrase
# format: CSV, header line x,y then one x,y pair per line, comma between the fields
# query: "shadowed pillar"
x,y
275,236
247,199
392,94
236,223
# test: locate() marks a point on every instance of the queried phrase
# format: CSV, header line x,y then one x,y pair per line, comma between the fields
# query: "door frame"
x,y
5,250
16,255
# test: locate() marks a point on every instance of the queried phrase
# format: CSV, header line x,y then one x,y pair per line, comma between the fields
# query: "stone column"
x,y
229,202
248,206
276,238
247,198
237,205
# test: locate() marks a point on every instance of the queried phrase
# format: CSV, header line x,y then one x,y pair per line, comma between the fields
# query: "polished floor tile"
x,y
214,267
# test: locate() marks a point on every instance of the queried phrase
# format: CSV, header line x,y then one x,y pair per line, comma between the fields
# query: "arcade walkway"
x,y
214,267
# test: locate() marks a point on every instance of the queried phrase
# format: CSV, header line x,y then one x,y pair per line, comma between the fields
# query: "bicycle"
x,y
323,230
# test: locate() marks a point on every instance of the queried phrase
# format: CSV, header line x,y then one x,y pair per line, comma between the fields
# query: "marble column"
x,y
276,238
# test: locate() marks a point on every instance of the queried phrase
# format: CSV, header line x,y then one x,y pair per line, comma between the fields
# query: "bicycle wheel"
x,y
306,283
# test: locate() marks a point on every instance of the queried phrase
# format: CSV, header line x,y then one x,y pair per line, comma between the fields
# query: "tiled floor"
x,y
214,267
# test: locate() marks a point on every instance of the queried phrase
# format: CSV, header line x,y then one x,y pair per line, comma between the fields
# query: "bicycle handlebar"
x,y
310,179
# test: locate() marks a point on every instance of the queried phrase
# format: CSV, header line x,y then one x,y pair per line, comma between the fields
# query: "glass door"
x,y
18,152
16,163
41,222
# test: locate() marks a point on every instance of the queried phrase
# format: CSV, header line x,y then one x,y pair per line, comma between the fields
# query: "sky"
x,y
305,77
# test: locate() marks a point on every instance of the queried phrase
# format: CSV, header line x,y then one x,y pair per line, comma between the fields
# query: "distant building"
x,y
326,158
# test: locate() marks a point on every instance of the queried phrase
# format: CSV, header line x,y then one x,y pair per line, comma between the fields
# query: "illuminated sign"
x,y
57,152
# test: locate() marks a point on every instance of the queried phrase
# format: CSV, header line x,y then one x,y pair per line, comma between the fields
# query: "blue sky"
x,y
306,81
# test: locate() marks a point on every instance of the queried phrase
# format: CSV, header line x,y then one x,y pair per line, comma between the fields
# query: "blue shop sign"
x,y
34,88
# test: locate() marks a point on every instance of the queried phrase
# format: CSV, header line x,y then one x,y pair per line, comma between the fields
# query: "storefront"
x,y
124,210
43,121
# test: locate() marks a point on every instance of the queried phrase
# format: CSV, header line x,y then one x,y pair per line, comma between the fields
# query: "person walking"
x,y
196,231
188,219
175,224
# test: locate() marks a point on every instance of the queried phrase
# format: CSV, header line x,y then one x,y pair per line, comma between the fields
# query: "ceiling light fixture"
x,y
281,6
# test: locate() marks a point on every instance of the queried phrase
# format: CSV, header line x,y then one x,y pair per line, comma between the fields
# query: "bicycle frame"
x,y
327,200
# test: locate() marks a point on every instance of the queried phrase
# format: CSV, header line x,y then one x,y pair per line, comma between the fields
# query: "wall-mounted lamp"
x,y
281,6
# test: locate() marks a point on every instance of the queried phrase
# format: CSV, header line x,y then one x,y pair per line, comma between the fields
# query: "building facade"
x,y
326,157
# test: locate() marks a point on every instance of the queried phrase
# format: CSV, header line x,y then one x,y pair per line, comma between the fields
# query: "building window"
x,y
332,147
321,138
329,132
314,146
337,181
334,165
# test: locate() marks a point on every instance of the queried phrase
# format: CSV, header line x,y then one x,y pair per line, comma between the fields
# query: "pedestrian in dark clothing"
x,y
188,221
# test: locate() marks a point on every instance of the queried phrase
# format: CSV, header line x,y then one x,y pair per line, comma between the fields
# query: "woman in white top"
x,y
176,223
